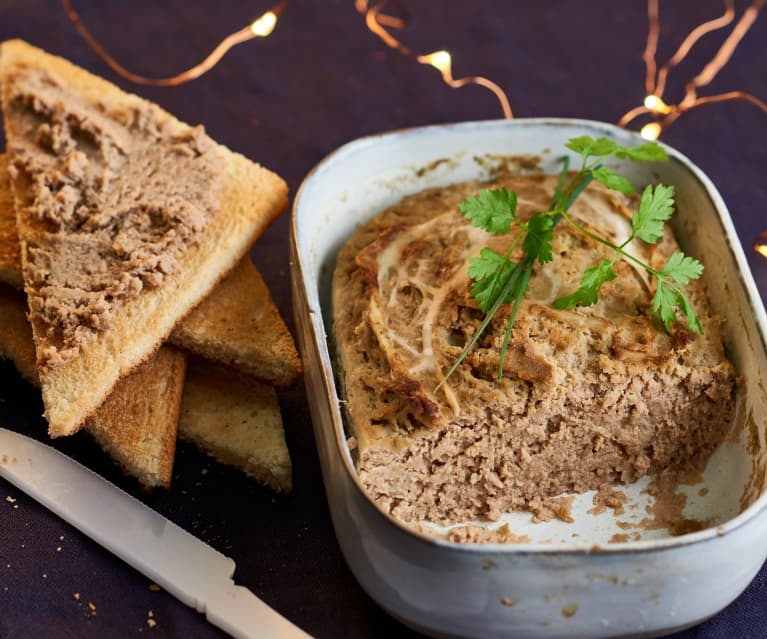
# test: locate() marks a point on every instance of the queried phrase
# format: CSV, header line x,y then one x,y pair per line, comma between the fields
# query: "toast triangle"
x,y
96,138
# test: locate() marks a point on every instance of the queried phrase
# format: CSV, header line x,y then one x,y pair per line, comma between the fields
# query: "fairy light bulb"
x,y
651,131
440,60
264,25
760,245
656,104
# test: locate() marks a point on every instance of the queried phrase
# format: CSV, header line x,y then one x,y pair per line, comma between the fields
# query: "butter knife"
x,y
186,567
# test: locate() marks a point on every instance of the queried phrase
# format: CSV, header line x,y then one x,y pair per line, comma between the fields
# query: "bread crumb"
x,y
92,608
58,548
506,601
45,575
150,614
154,587
151,623
76,596
10,500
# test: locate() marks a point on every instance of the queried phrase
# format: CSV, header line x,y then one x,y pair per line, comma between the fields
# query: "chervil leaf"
x,y
667,299
613,180
486,264
588,292
537,242
664,303
656,206
491,210
648,152
682,268
692,319
580,145
489,272
587,146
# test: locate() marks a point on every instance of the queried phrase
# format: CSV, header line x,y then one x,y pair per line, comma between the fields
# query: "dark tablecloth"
x,y
319,81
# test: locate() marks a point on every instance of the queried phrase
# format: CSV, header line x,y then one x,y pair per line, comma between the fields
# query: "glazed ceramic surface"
x,y
569,580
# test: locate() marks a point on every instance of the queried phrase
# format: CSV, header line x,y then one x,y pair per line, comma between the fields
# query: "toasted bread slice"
x,y
88,160
138,422
10,252
239,326
236,420
16,334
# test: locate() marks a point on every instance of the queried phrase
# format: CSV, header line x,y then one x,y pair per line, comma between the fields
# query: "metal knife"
x,y
186,567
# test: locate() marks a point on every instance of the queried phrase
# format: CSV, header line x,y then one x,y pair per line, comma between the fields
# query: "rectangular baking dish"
x,y
571,578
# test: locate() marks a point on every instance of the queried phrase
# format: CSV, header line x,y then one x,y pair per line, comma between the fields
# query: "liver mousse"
x,y
588,398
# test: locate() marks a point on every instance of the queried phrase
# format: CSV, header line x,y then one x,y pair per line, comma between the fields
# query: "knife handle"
x,y
238,612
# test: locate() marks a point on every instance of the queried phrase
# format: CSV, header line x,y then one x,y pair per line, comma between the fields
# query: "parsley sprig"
x,y
497,279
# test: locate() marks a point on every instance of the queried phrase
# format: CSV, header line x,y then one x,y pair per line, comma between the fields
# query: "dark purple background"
x,y
321,80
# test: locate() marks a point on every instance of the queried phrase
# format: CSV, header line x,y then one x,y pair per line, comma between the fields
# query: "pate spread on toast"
x,y
137,423
237,324
127,219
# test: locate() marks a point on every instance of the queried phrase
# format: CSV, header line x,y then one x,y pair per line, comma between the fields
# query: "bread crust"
x,y
239,326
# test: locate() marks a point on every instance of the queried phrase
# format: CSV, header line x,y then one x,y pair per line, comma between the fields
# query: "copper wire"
x,y
377,22
655,87
233,39
652,45
689,42
725,52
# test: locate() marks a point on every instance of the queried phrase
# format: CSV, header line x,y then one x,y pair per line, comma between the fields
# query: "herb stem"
x,y
512,318
514,244
507,288
617,249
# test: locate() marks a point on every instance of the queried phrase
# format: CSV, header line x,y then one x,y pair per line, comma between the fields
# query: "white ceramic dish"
x,y
558,584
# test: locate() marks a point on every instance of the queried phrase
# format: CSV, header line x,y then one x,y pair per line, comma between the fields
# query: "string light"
x,y
377,22
664,115
261,27
760,245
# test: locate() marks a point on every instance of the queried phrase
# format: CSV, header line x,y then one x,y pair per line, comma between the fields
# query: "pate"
x,y
588,398
116,196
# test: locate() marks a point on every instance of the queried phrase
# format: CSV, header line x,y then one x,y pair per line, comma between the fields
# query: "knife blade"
x,y
186,567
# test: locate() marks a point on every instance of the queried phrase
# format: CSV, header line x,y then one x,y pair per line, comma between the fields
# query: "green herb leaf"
x,y
648,152
540,233
667,299
613,180
664,303
486,264
656,206
587,146
489,272
692,319
682,268
492,210
588,292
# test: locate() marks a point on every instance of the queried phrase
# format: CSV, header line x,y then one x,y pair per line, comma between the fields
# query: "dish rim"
x,y
752,512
